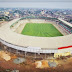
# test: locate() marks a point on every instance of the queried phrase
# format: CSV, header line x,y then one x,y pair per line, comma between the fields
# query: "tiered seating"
x,y
66,27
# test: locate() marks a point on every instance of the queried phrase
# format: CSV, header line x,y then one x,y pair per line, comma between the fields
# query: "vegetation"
x,y
41,30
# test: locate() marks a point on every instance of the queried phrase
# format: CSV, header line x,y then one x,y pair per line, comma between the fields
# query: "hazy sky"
x,y
61,5
35,0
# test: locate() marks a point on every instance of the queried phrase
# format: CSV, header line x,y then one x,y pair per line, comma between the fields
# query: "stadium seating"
x,y
66,27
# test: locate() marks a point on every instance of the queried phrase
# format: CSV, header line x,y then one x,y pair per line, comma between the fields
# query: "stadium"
x,y
36,36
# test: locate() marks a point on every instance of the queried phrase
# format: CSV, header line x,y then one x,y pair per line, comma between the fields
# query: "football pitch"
x,y
41,30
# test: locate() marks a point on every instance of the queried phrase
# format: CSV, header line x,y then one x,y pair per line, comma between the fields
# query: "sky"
x,y
27,4
36,0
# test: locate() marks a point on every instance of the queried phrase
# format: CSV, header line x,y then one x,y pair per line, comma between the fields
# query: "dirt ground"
x,y
64,65
28,66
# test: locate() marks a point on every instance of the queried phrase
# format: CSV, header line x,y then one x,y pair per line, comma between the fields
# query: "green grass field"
x,y
41,30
